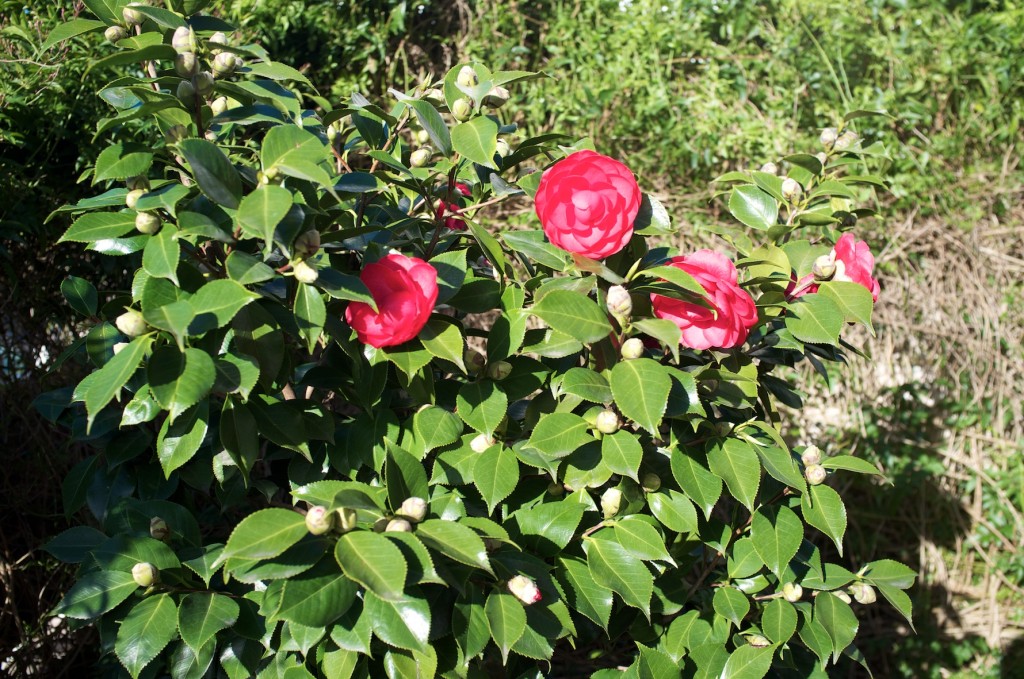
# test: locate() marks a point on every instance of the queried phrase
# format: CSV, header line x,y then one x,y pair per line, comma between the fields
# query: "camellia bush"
x,y
347,424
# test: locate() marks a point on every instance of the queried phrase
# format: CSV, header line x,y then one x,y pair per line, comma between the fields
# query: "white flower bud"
x,y
608,422
307,244
862,593
496,98
304,273
133,17
619,302
185,64
217,38
434,96
770,168
422,136
474,360
147,222
203,82
398,526
131,323
145,574
824,267
158,529
792,592
811,455
828,137
414,509
822,158
346,520
468,77
650,482
790,189
503,148
481,442
524,589
499,370
462,109
184,40
186,94
219,105
119,347
846,140
611,502
131,199
758,641
632,348
815,474
319,520
115,33
842,596
224,64
421,156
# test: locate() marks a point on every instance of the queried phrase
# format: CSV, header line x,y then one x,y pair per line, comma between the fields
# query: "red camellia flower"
x,y
454,222
587,204
734,314
853,263
405,289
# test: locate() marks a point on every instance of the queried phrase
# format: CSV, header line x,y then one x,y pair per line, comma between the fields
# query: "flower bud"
x,y
131,199
468,77
145,574
792,592
219,105
556,489
133,17
346,519
185,64
650,482
307,244
503,149
186,94
790,189
496,98
862,593
224,64
822,158
619,302
846,140
524,589
842,596
422,136
175,133
147,222
333,130
815,474
414,509
217,38
184,40
481,442
474,360
828,137
420,157
158,529
304,273
824,268
319,520
434,96
758,641
115,33
398,526
500,370
770,168
462,109
632,348
119,347
203,82
611,501
608,422
811,455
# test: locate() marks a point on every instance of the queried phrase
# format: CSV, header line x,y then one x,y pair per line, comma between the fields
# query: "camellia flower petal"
x,y
587,204
405,290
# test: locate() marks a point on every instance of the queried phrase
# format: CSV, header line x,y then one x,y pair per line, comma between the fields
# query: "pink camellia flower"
x,y
850,261
734,314
524,589
405,290
587,204
454,222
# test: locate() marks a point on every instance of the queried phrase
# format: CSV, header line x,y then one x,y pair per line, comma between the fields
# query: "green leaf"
x,y
496,474
677,277
613,566
122,553
737,463
455,541
297,153
641,539
753,207
80,294
257,335
96,593
622,453
403,623
890,573
245,269
161,254
148,53
217,303
70,29
202,614
214,173
431,121
641,387
435,427
731,604
265,534
319,596
584,594
310,314
98,226
699,484
177,442
506,620
850,463
587,384
236,374
174,318
404,474
550,526
779,463
815,318
145,631
824,509
852,299
162,17
262,210
776,538
374,562
100,387
477,139
557,435
748,662
179,379
121,161
816,638
74,544
837,619
674,510
451,273
481,405
900,601
778,620
443,340
574,315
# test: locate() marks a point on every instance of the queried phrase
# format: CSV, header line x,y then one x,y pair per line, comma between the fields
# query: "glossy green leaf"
x,y
891,573
455,541
214,173
97,226
559,434
374,562
121,161
100,387
736,462
217,303
245,269
824,509
297,153
550,526
815,318
80,294
70,29
850,463
476,139
496,474
179,379
262,210
310,314
583,593
776,537
622,453
318,597
837,619
699,484
96,593
574,315
145,631
506,620
403,622
852,299
202,614
641,539
731,604
778,620
265,534
748,662
753,207
482,405
444,340
641,387
673,509
179,441
74,544
615,567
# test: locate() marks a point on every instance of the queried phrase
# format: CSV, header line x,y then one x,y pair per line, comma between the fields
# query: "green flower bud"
x,y
203,82
137,182
145,574
619,303
811,455
147,222
319,520
503,149
770,168
307,244
219,105
346,520
185,64
184,40
608,422
158,529
398,526
500,370
468,77
434,96
650,482
115,33
474,360
828,137
422,136
304,273
133,17
420,157
862,593
824,268
414,509
186,94
462,109
556,489
496,98
846,140
611,501
176,133
217,38
790,189
815,474
131,199
481,442
632,348
758,641
224,64
792,592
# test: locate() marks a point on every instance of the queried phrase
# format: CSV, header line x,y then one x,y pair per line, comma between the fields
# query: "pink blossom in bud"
x,y
524,589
